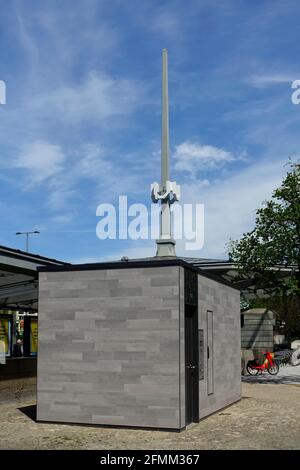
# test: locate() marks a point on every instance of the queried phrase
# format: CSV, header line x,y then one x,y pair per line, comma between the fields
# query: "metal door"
x,y
191,364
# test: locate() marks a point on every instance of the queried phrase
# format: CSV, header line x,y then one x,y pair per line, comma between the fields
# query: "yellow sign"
x,y
5,334
33,336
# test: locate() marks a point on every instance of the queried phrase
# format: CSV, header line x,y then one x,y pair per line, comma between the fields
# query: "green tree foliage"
x,y
270,253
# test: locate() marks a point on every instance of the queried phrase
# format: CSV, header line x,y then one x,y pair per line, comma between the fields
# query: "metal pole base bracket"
x,y
166,247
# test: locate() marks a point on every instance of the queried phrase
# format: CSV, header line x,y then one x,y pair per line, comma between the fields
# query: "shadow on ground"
x,y
29,411
268,379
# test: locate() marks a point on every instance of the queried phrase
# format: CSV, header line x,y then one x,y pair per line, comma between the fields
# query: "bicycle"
x,y
269,365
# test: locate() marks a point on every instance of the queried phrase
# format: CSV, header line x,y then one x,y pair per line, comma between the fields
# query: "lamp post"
x,y
27,237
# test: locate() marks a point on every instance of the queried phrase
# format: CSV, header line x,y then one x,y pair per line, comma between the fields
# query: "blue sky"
x,y
81,124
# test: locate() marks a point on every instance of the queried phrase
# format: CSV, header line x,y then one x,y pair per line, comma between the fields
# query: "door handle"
x,y
191,367
207,352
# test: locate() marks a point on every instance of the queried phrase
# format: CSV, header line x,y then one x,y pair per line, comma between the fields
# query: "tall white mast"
x,y
164,121
168,191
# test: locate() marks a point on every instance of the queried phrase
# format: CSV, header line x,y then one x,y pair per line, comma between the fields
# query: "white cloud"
x,y
274,79
66,37
41,161
191,157
98,97
60,197
107,168
230,206
93,163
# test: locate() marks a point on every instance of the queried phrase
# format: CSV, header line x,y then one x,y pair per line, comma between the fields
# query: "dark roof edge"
x,y
31,257
136,264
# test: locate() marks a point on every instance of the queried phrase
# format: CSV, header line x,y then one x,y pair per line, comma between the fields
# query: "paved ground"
x,y
286,375
268,417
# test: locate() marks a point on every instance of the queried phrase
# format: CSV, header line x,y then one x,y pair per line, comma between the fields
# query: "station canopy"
x,y
227,270
18,278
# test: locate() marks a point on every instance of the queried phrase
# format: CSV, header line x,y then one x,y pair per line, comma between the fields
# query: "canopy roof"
x,y
18,278
227,270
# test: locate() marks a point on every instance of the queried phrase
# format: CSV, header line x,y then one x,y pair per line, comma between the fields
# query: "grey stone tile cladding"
x,y
109,347
224,302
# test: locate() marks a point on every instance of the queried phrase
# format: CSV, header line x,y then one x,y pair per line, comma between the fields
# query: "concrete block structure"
x,y
149,343
257,326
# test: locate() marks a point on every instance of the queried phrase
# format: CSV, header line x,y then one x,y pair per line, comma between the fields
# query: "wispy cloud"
x,y
40,160
229,209
191,157
230,204
83,111
98,97
261,81
105,166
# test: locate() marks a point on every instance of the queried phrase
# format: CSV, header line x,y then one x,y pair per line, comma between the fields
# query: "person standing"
x,y
18,348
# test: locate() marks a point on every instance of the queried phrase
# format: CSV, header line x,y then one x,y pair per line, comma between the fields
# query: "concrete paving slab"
x,y
268,417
